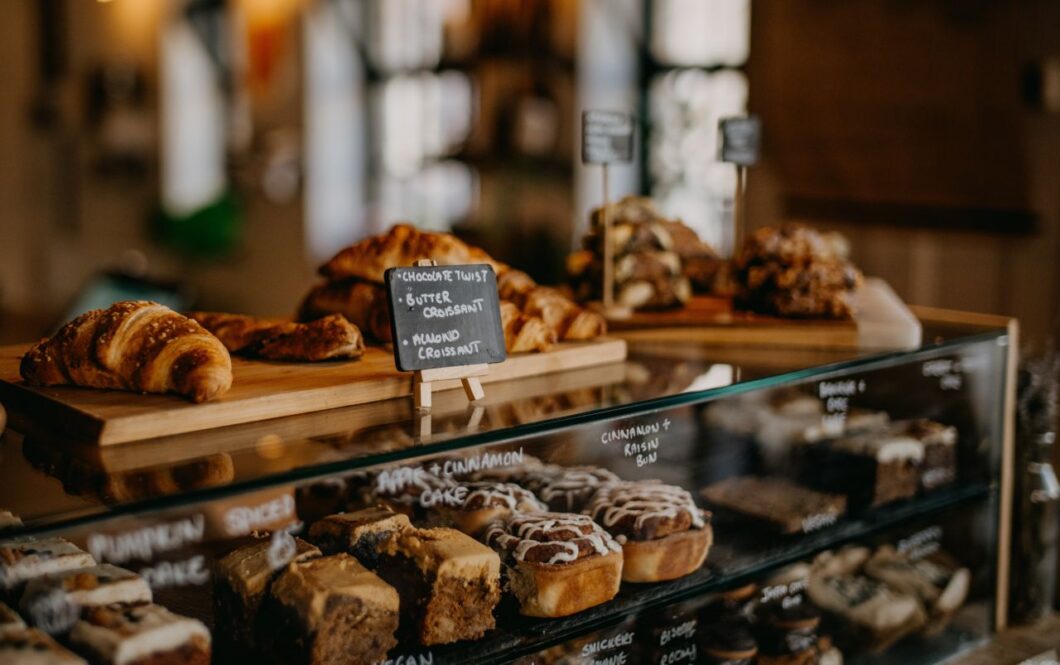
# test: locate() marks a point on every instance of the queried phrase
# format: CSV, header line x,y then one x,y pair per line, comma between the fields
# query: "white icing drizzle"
x,y
522,533
503,495
646,500
569,487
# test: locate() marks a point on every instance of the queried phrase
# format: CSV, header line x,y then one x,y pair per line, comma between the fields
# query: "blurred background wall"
x,y
231,146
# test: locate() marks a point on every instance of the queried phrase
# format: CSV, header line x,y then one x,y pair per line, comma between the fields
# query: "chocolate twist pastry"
x,y
325,338
644,510
133,345
550,538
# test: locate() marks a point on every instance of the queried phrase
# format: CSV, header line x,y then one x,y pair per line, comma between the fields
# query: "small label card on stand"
x,y
607,138
738,144
446,323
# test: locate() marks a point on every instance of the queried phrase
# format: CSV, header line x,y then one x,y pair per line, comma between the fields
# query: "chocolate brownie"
x,y
870,469
790,508
330,610
448,582
360,533
241,583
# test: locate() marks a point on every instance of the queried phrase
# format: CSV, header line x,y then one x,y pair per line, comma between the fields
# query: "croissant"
x,y
515,285
567,320
402,245
326,338
524,333
133,345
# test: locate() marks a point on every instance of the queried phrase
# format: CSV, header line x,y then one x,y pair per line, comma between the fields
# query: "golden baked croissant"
x,y
402,245
363,304
325,338
524,333
133,345
567,320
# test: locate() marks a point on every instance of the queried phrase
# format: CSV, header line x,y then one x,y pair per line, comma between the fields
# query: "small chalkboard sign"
x,y
739,140
444,316
607,137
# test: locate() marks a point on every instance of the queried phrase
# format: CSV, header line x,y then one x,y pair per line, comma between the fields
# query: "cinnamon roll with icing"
x,y
484,503
567,489
664,535
557,564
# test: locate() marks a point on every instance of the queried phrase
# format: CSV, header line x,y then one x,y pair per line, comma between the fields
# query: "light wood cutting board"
x,y
260,391
881,321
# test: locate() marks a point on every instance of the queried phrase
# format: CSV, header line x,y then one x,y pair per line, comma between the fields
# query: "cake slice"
x,y
940,451
557,564
52,602
790,508
26,558
242,578
28,646
140,634
330,610
870,469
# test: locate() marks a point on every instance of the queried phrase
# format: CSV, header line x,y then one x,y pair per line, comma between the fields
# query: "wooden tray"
x,y
881,321
261,391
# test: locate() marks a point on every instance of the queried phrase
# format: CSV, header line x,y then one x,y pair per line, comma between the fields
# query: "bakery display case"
x,y
694,503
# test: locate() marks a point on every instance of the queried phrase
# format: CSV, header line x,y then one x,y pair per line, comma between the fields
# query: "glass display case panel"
x,y
748,467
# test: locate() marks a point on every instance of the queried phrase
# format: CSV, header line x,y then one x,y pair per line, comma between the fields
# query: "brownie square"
x,y
242,580
328,611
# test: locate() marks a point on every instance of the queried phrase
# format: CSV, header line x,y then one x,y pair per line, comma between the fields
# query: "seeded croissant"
x,y
133,345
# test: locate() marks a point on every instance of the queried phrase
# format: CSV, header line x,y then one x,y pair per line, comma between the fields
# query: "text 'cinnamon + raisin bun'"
x,y
557,564
664,535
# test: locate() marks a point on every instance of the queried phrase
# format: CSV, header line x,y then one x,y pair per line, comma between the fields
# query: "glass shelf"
x,y
53,484
740,564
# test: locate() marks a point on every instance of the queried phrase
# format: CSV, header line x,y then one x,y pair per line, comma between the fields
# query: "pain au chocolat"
x,y
664,535
557,564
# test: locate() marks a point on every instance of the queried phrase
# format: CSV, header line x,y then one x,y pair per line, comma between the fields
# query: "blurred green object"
x,y
212,231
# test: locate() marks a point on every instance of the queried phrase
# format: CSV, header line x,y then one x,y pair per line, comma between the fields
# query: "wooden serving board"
x,y
881,321
260,391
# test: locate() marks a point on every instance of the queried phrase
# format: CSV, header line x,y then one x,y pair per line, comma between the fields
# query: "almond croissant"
x,y
133,345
